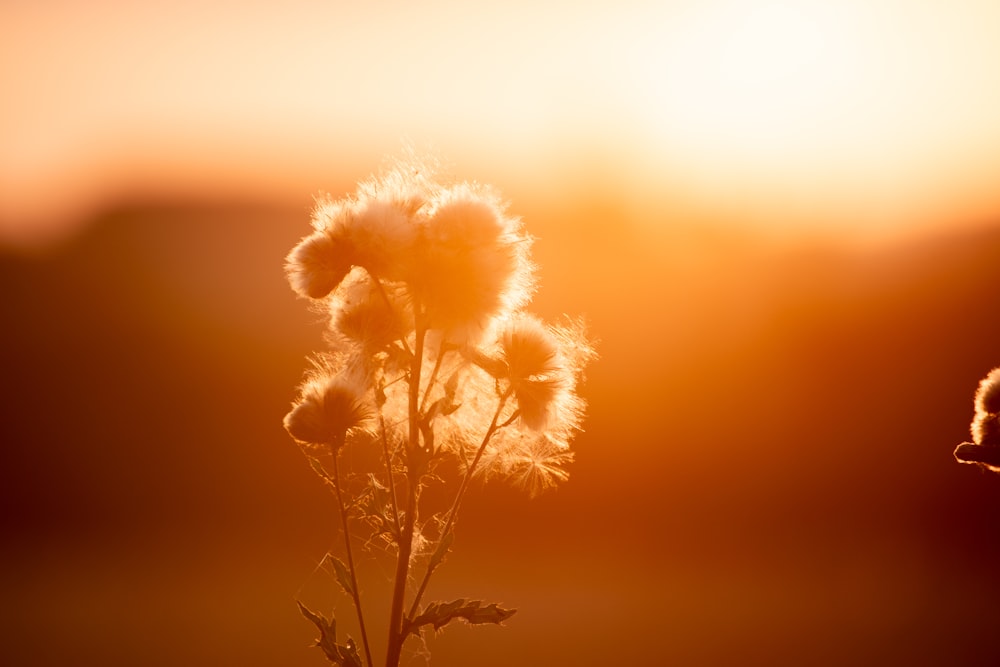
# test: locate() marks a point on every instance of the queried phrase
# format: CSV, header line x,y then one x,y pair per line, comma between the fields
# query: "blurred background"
x,y
781,219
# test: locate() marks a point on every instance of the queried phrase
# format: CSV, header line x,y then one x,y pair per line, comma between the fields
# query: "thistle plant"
x,y
434,374
984,450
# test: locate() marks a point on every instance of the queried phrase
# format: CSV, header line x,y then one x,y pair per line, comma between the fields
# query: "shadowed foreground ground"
x,y
766,476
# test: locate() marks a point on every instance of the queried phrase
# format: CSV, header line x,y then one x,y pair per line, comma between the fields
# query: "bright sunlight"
x,y
742,79
879,111
773,114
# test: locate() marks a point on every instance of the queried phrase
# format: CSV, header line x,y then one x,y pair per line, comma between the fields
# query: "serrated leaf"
x,y
342,574
319,469
350,654
474,612
338,654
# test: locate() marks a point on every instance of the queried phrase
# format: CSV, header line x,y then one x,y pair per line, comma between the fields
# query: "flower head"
x,y
986,422
529,357
471,263
318,264
988,393
382,234
369,313
327,409
538,465
985,446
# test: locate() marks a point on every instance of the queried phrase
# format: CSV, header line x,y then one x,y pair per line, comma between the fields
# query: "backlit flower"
x,y
986,422
369,314
327,409
471,262
985,446
318,264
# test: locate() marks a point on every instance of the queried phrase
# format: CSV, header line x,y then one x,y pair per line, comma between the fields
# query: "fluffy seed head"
x,y
471,262
382,234
528,460
985,425
369,314
327,409
988,393
527,356
318,264
529,349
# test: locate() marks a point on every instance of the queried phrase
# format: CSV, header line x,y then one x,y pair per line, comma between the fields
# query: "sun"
x,y
878,112
759,81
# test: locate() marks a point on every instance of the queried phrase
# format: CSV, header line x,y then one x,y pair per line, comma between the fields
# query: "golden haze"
x,y
766,474
869,117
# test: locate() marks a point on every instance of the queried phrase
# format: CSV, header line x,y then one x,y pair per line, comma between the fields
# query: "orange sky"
x,y
876,116
794,410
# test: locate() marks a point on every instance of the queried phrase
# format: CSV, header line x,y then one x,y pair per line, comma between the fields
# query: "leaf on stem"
x,y
343,655
318,468
343,576
474,612
377,507
445,405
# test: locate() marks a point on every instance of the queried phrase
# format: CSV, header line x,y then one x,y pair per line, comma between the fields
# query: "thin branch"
x,y
388,472
396,634
453,512
350,560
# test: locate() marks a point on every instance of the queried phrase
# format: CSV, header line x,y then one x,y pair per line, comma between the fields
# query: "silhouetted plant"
x,y
434,374
984,450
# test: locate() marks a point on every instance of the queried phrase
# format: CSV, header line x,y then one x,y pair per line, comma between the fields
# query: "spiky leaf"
x,y
343,576
342,655
473,612
318,468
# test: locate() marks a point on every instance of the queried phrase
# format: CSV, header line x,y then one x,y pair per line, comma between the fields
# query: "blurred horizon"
x,y
780,219
766,460
858,119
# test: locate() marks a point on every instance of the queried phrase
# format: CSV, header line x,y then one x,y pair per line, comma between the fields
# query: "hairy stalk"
x,y
453,512
388,472
350,559
396,636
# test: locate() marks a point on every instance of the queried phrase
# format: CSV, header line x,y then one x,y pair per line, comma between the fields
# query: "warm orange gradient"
x,y
766,473
875,117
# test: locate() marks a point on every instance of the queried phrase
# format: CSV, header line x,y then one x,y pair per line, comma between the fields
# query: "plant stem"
x,y
388,305
396,636
388,472
453,512
433,377
350,560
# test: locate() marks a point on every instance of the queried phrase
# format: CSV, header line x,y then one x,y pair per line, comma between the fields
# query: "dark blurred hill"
x,y
771,426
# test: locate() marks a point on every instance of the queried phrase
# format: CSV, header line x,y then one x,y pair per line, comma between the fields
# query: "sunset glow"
x,y
863,110
658,321
859,115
